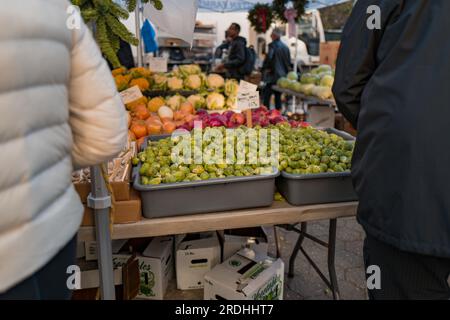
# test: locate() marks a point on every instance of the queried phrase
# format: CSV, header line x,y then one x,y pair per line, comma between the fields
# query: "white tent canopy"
x,y
177,18
246,5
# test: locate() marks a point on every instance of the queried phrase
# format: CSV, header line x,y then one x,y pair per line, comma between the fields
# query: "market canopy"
x,y
246,5
177,18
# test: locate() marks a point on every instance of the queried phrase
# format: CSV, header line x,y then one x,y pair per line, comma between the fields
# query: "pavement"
x,y
306,284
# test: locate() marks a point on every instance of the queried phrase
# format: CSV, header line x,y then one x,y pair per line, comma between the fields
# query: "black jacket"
x,y
393,84
277,63
236,58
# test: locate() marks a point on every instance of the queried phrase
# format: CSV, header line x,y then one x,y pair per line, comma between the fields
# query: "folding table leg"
x,y
298,245
331,262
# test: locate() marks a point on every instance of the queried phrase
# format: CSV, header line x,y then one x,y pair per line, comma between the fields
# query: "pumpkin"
x,y
187,107
134,104
142,83
141,112
119,71
155,103
121,82
178,115
139,129
169,127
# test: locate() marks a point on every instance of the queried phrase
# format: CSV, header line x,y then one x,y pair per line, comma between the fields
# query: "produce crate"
x,y
182,198
318,188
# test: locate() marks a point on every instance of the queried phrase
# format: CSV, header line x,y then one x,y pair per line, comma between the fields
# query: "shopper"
x,y
235,62
276,65
223,48
59,111
393,86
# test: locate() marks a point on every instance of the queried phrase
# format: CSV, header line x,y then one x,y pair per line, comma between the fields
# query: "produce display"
x,y
317,83
213,92
158,167
307,151
260,117
303,150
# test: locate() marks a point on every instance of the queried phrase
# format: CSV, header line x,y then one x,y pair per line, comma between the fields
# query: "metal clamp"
x,y
98,203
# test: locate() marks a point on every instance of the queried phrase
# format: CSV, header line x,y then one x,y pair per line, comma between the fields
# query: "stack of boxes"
x,y
246,273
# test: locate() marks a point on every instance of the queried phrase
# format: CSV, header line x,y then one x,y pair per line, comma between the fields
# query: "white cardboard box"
x,y
91,248
235,240
156,268
246,276
194,258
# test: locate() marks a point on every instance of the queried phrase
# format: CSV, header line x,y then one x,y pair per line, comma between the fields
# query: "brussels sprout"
x,y
204,176
198,169
155,181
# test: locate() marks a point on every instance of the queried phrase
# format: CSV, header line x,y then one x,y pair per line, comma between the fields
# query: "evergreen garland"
x,y
106,15
279,7
259,23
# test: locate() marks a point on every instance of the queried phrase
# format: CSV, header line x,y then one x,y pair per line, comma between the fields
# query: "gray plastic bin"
x,y
318,188
182,198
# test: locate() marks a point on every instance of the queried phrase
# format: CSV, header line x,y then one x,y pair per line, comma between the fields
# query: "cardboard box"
x,y
125,211
90,278
237,239
121,190
196,255
329,52
81,251
156,268
91,248
246,276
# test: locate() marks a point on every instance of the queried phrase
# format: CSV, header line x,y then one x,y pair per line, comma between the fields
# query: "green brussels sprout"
x,y
204,175
198,169
155,181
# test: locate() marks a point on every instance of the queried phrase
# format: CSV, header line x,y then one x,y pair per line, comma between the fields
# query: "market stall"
x,y
161,197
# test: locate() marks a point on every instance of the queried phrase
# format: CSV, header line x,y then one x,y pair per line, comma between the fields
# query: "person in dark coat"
x,y
392,83
236,53
219,52
276,65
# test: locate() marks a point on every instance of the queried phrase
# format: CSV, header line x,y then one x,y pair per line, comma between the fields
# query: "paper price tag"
x,y
131,94
157,64
245,86
248,100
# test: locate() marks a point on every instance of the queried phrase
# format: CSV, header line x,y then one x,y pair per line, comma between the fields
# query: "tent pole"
x,y
100,201
137,14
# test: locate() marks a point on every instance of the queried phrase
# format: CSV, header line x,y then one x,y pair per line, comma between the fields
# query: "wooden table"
x,y
279,213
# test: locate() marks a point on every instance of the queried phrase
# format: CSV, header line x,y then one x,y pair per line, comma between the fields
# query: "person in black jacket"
x,y
392,83
236,53
276,65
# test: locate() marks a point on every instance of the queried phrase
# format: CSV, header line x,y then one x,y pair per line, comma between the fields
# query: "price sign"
x,y
131,94
248,100
245,86
158,64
